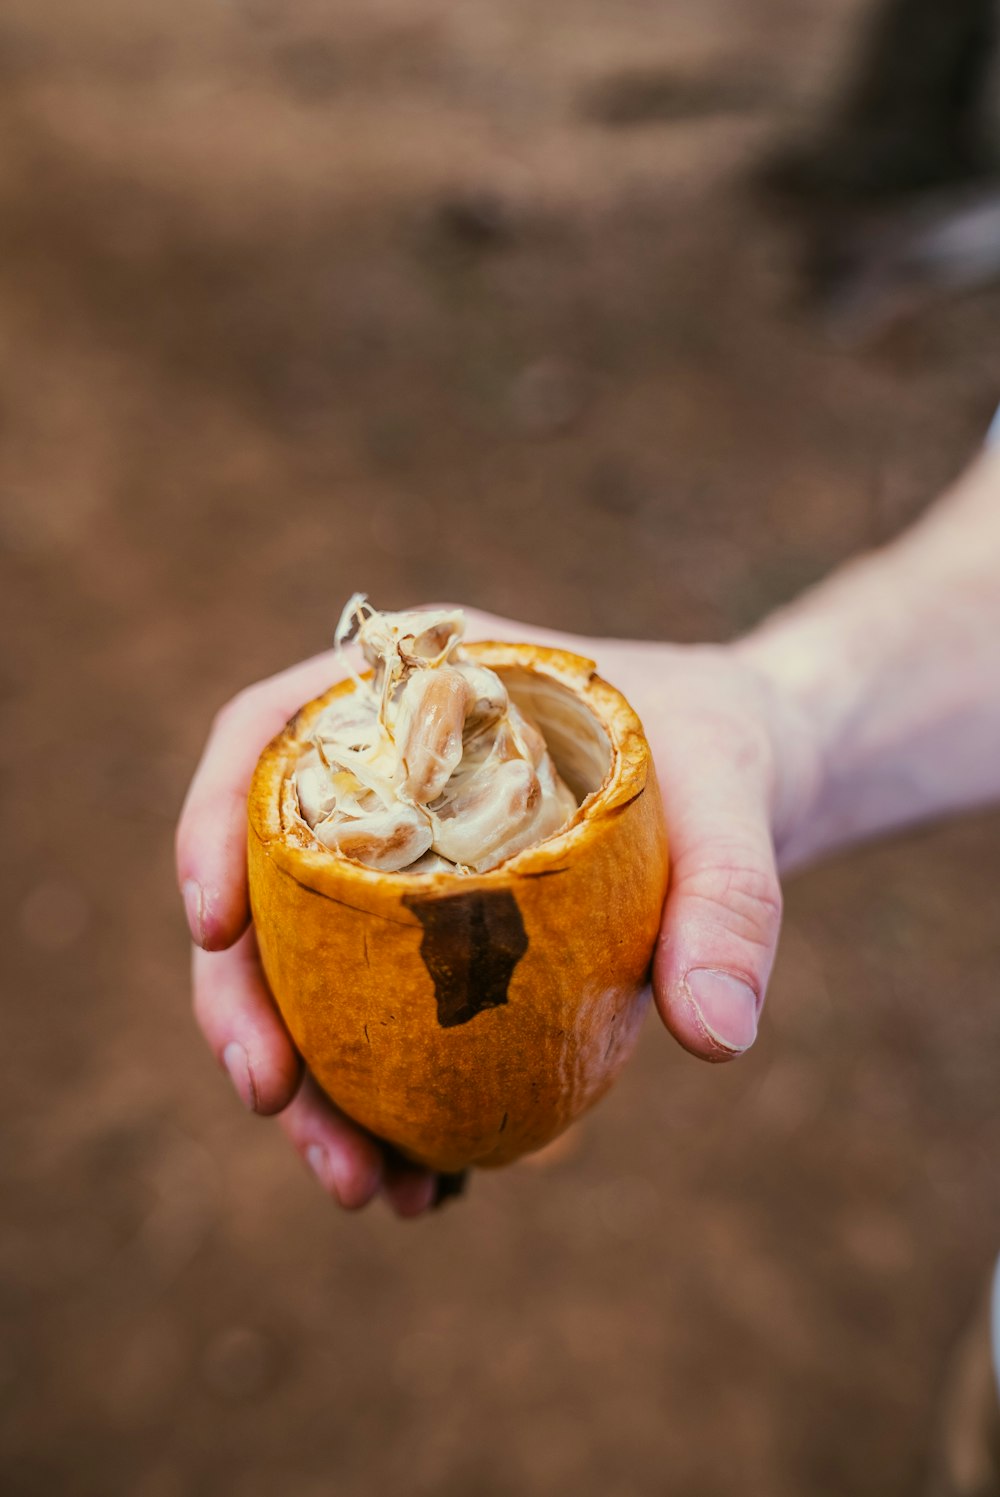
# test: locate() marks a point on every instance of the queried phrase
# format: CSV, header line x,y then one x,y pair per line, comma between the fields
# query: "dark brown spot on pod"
x,y
470,947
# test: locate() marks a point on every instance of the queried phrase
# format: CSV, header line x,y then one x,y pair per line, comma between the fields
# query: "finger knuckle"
x,y
744,893
237,709
201,1005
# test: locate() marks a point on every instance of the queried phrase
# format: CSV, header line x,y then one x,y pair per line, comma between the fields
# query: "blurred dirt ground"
x,y
467,302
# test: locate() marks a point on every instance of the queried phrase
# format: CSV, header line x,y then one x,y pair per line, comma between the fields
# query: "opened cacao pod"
x,y
468,1018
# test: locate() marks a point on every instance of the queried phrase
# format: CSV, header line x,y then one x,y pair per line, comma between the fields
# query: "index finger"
x,y
493,626
211,833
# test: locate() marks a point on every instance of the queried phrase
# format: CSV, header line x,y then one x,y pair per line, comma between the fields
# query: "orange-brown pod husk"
x,y
468,1019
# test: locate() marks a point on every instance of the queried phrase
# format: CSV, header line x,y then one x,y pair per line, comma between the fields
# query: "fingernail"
x,y
725,1007
318,1162
194,908
323,1167
237,1063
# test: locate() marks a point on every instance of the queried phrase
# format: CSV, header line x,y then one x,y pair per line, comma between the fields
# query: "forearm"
x,y
892,668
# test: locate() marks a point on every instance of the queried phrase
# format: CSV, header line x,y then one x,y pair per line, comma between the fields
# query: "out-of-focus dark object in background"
x,y
919,113
899,197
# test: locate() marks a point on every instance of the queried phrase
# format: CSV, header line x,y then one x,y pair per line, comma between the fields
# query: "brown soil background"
x,y
296,299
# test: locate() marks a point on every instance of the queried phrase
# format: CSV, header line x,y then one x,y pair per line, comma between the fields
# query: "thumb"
x,y
722,916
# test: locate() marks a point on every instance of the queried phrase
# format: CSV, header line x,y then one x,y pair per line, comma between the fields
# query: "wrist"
x,y
886,670
832,662
796,744
887,673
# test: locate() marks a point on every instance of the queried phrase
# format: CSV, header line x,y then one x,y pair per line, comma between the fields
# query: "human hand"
x,y
232,1004
737,768
733,769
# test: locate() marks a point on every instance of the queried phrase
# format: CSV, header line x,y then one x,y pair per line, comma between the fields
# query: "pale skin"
x,y
870,703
